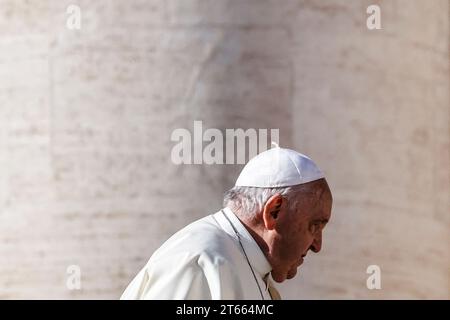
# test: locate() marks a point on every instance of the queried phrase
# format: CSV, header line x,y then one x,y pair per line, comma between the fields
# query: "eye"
x,y
315,226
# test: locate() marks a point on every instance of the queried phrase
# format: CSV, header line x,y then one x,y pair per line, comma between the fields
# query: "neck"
x,y
256,234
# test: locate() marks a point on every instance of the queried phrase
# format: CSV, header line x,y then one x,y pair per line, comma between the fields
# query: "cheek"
x,y
293,242
294,245
301,240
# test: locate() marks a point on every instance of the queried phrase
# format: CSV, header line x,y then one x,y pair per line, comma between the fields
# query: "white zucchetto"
x,y
278,167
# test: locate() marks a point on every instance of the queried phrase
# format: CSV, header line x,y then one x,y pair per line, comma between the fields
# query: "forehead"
x,y
315,201
320,204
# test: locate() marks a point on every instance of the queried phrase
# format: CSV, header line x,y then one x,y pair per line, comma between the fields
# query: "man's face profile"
x,y
295,231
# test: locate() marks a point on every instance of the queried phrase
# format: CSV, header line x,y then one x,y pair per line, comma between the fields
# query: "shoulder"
x,y
202,240
200,261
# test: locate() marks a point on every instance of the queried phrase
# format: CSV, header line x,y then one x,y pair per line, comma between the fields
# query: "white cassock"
x,y
205,260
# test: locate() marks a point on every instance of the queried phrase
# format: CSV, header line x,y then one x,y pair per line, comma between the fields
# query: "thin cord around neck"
x,y
245,254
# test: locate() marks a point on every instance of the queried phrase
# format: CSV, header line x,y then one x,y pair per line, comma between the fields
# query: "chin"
x,y
279,277
291,274
282,276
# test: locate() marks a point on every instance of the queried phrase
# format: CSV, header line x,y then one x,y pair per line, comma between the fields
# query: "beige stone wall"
x,y
86,117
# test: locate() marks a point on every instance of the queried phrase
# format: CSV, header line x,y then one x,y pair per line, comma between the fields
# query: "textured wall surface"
x,y
86,118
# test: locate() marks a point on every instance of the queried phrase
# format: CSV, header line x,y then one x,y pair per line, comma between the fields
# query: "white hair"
x,y
249,201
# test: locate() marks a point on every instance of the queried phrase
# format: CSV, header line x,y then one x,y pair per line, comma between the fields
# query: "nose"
x,y
317,243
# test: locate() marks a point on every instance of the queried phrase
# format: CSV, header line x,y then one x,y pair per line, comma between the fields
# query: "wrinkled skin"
x,y
286,236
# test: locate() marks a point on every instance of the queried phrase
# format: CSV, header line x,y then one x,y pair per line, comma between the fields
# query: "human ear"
x,y
271,211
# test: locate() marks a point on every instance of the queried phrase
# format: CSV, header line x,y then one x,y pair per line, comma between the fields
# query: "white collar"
x,y
257,258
